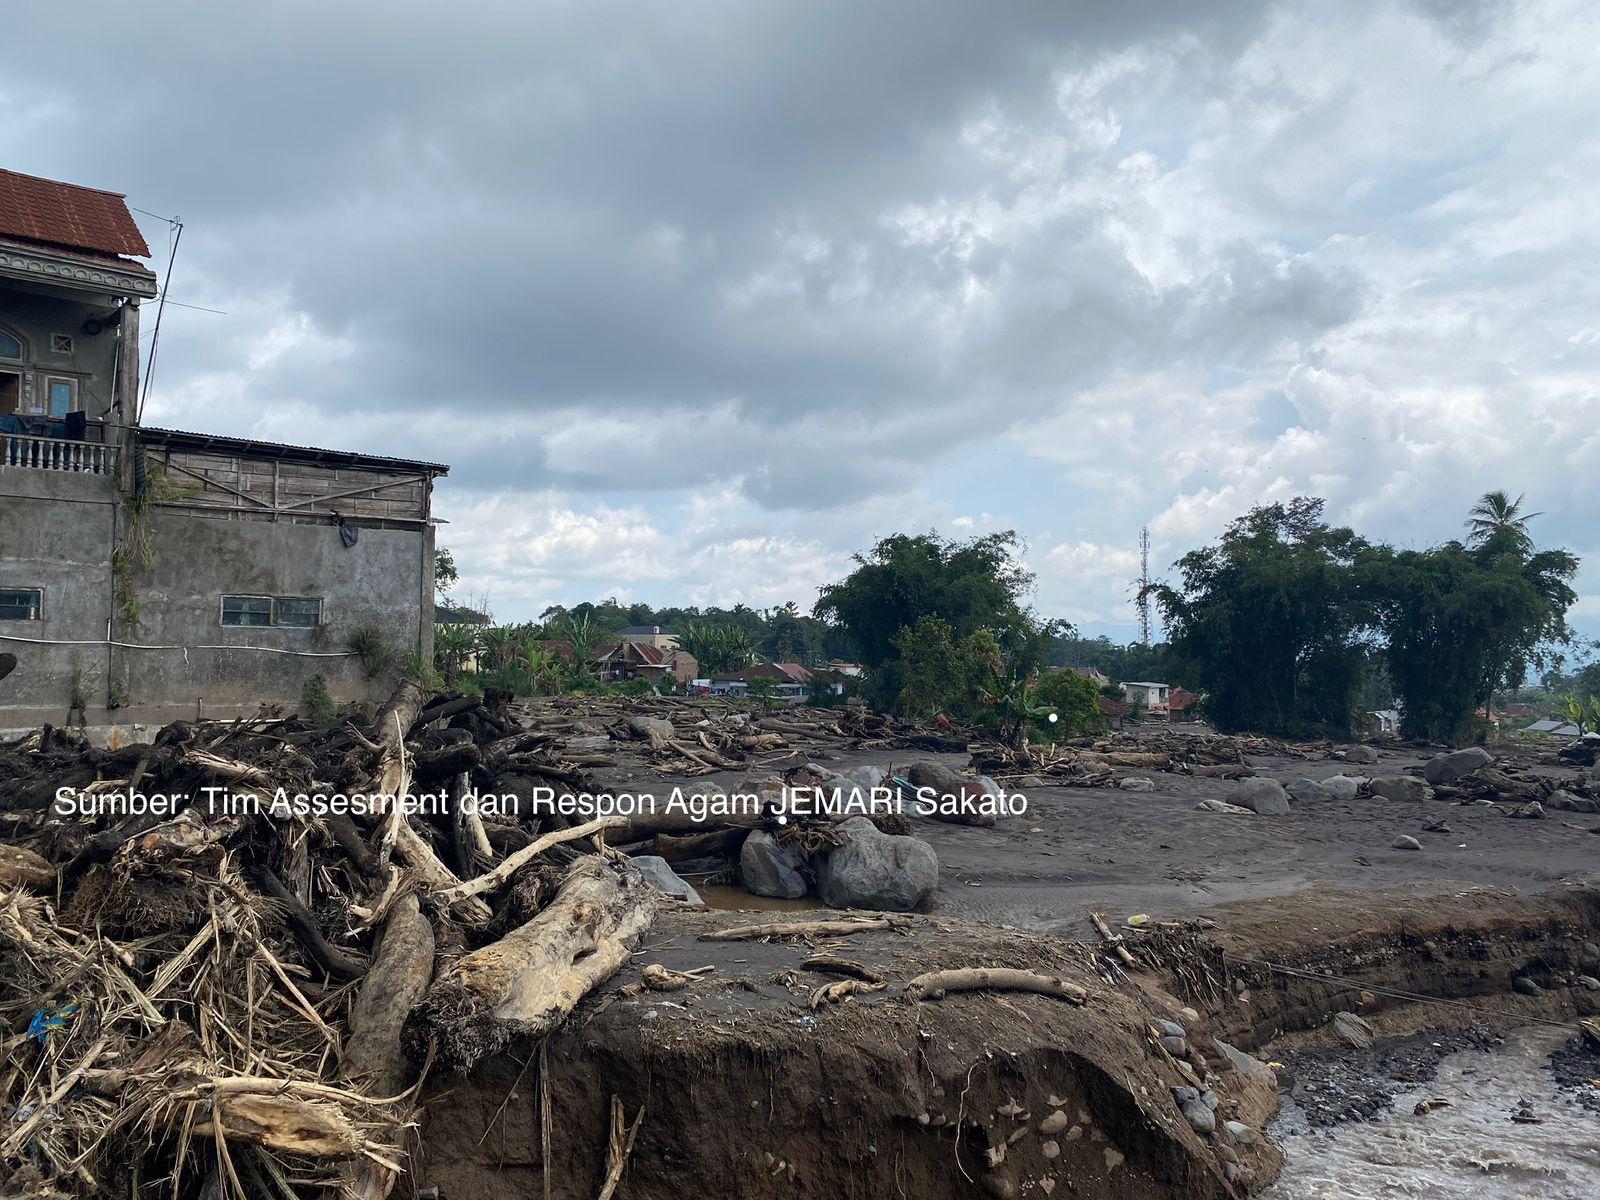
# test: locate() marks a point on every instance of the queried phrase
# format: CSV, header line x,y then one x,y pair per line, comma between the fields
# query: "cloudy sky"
x,y
699,298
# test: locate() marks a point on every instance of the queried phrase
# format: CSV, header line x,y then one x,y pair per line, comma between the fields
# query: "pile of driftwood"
x,y
1103,760
694,736
212,983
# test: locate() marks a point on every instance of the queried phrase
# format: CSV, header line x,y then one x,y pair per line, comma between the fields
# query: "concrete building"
x,y
149,574
1152,697
649,635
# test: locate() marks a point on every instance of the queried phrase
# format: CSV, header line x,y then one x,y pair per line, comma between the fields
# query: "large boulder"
x,y
1447,768
1365,755
769,869
1571,802
659,873
958,799
1308,791
1343,787
1263,796
887,872
867,776
1400,787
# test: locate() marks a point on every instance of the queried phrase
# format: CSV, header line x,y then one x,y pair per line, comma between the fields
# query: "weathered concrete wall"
x,y
56,535
375,584
179,659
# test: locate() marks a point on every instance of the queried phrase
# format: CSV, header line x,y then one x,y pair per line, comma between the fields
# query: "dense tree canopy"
x,y
1464,620
973,586
1272,617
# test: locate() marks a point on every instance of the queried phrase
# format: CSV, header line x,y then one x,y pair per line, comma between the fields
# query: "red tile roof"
x,y
64,214
1113,708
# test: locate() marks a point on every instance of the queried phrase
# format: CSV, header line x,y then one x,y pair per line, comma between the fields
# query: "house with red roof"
x,y
148,574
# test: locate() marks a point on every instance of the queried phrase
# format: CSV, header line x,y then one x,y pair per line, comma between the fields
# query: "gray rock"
x,y
1241,1134
1406,842
1532,811
592,741
1184,1094
1246,1064
1263,796
768,869
1570,802
1343,787
962,799
1353,1029
1365,755
886,872
1308,791
1171,1029
661,875
1588,981
1136,783
1447,768
651,727
1594,772
1176,1046
1526,986
868,776
1400,787
1201,1119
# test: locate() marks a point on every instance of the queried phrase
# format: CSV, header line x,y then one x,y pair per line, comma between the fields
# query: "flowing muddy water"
x,y
1472,1148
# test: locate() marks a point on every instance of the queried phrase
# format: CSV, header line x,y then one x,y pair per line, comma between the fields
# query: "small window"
x,y
298,611
63,396
295,612
21,604
61,343
10,347
247,610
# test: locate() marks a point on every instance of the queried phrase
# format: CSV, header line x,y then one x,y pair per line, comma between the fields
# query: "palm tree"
x,y
1497,516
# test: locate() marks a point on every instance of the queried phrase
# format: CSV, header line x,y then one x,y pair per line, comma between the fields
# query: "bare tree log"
x,y
936,984
25,867
807,929
534,976
490,880
330,958
399,976
311,1128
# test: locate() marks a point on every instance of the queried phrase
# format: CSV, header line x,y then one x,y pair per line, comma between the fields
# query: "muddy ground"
x,y
748,1091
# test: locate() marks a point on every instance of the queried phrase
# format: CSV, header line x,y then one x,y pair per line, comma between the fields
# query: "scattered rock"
x,y
1054,1123
1201,1118
1588,981
1175,1046
661,875
1571,802
768,869
886,872
652,727
1241,1134
1353,1029
1364,755
1305,790
1136,783
961,799
1399,787
1343,787
1526,986
1406,842
867,776
1532,811
1171,1029
1447,768
1263,796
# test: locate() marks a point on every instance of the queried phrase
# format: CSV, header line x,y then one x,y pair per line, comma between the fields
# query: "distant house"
x,y
1093,674
793,681
1181,705
1152,697
1383,721
1559,729
649,635
459,614
850,670
616,662
1113,711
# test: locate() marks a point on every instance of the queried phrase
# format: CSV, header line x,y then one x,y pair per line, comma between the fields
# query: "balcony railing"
x,y
55,454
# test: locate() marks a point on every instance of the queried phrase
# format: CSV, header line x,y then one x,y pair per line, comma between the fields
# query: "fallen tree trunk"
x,y
396,982
490,880
936,984
530,980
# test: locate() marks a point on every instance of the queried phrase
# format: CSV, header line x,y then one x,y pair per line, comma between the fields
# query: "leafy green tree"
x,y
1074,700
1272,617
763,689
719,649
939,674
1463,621
1498,517
971,586
445,574
453,647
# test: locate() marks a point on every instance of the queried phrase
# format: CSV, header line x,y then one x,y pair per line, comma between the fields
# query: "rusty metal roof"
x,y
67,215
202,443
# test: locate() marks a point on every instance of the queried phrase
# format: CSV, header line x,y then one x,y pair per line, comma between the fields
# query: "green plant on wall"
x,y
316,705
368,643
135,548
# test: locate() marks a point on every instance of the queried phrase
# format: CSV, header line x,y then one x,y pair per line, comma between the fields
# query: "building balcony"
x,y
29,452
